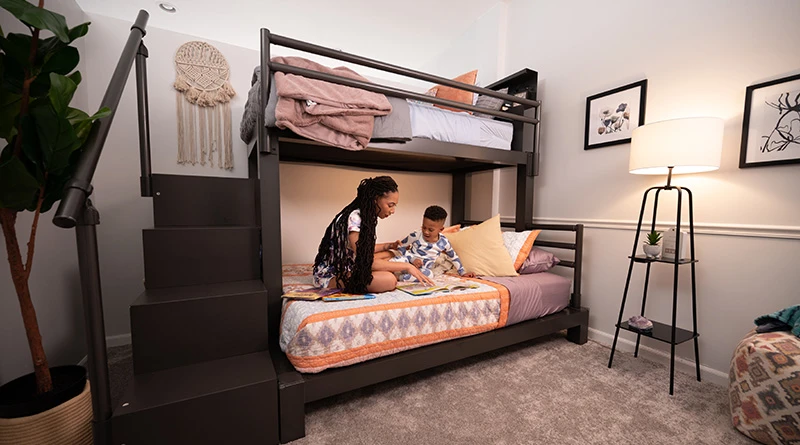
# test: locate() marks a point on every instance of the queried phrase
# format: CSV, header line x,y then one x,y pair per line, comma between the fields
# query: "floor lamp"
x,y
677,146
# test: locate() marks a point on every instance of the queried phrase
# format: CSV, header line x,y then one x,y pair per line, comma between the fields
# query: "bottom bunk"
x,y
295,390
320,339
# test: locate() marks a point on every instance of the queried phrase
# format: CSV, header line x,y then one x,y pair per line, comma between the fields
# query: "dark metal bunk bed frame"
x,y
296,389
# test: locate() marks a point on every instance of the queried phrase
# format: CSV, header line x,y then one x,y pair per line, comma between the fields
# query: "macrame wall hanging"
x,y
203,98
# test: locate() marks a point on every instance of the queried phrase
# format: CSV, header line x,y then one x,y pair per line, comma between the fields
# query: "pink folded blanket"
x,y
326,112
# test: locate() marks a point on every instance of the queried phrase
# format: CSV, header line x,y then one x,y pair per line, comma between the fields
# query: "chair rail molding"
x,y
743,230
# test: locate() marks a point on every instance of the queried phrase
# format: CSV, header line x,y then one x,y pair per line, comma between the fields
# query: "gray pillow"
x,y
492,103
538,261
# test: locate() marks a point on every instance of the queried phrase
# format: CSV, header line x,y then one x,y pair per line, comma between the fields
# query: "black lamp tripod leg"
x,y
628,280
694,284
647,273
675,293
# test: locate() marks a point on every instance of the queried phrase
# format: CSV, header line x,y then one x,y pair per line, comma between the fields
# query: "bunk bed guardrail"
x,y
76,210
268,66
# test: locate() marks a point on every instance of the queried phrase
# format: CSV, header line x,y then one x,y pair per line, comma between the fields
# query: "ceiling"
x,y
407,32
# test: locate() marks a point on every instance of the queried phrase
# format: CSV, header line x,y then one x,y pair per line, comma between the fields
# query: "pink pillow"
x,y
538,261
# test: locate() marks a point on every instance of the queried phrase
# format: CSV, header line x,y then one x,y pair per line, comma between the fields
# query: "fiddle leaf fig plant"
x,y
42,138
653,238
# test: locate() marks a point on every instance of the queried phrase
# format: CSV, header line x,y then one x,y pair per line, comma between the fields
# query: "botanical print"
x,y
611,118
612,122
783,116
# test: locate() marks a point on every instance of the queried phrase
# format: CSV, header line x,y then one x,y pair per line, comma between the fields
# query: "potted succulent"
x,y
41,138
651,247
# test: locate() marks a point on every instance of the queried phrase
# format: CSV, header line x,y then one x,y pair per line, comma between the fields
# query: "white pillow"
x,y
519,245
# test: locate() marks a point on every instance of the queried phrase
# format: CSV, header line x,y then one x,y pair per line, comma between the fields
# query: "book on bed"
x,y
418,289
324,294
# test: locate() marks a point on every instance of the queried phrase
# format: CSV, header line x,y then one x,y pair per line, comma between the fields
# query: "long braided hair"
x,y
356,273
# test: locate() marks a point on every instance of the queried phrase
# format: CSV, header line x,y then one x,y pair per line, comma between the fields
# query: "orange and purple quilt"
x,y
317,335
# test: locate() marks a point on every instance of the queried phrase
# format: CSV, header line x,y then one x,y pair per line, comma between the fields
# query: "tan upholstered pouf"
x,y
765,387
67,424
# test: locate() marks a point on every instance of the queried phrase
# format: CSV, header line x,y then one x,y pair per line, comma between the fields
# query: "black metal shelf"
x,y
662,332
644,259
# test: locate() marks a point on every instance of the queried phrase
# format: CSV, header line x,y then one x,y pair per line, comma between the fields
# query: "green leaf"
x,y
12,75
78,31
62,89
61,62
18,47
76,77
53,44
101,113
18,188
30,147
38,17
75,115
9,109
57,139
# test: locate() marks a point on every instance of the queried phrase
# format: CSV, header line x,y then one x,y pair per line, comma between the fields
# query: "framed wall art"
x,y
611,116
771,125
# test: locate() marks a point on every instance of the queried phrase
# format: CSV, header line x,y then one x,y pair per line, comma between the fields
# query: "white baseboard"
x,y
681,364
118,340
111,341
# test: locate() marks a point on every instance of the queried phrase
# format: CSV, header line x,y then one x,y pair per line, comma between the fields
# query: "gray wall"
x,y
55,287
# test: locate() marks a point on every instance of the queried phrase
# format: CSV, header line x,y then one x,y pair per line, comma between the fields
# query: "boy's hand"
x,y
469,275
417,263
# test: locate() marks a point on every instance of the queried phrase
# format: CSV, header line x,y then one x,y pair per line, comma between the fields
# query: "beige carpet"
x,y
548,391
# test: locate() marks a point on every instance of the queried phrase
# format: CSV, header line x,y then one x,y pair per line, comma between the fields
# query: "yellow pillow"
x,y
482,251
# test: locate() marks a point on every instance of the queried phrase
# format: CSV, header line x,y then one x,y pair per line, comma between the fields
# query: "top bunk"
x,y
505,135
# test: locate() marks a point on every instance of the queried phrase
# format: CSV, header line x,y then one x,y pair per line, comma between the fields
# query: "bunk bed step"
x,y
185,256
178,326
233,400
203,201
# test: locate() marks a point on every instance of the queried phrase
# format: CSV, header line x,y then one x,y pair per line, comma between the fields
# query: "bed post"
x,y
578,334
525,173
270,199
458,209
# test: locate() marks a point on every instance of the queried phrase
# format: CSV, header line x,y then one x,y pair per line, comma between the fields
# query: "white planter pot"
x,y
651,251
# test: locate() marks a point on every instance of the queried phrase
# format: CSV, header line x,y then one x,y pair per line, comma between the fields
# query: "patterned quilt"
x,y
317,335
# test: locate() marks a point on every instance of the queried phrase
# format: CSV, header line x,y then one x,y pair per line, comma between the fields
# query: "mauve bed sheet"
x,y
534,295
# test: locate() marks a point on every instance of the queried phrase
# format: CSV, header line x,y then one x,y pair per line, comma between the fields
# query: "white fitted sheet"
x,y
461,128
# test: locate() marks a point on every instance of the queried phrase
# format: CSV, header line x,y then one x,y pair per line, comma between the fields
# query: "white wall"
x,y
698,58
55,288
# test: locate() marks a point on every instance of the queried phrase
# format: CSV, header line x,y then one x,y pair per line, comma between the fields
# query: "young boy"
x,y
422,247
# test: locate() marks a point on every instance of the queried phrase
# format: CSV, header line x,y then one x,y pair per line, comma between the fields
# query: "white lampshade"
x,y
690,145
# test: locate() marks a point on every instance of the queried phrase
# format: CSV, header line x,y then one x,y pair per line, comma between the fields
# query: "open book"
x,y
326,294
418,289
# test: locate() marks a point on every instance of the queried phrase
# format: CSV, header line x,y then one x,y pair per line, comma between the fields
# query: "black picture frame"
x,y
764,142
610,131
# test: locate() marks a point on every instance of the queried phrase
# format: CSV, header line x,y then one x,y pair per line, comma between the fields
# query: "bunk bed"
x,y
271,146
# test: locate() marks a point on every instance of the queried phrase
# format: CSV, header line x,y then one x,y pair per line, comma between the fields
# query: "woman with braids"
x,y
346,253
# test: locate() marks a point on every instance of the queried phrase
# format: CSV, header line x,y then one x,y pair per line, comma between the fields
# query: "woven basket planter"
x,y
67,424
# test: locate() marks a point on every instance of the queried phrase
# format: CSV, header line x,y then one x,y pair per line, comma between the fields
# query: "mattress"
x,y
316,335
461,128
426,121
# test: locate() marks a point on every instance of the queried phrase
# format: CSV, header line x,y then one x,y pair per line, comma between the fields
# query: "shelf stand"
x,y
673,335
